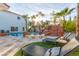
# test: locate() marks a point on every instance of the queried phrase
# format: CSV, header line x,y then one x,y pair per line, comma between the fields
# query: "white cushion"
x,y
55,51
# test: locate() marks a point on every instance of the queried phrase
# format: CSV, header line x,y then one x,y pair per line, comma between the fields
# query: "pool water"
x,y
34,33
20,34
17,34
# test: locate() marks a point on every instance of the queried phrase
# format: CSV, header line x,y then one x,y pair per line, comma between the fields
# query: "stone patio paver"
x,y
16,45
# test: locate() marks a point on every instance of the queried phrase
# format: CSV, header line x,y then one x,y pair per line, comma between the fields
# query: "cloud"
x,y
32,8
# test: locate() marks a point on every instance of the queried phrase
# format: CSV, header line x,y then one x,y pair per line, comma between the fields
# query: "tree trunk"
x,y
70,18
64,19
77,23
26,24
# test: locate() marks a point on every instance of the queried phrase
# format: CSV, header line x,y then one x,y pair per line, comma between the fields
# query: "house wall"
x,y
8,19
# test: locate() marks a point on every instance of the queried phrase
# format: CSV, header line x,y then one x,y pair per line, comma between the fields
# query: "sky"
x,y
46,8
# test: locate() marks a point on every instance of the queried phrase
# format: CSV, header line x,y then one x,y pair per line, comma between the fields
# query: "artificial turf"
x,y
42,44
74,52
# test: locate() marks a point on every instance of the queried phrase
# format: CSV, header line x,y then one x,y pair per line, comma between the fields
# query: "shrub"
x,y
69,26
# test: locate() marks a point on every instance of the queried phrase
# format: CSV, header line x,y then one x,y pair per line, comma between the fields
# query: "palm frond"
x,y
69,12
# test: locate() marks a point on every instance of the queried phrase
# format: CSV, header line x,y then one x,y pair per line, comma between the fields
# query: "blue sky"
x,y
32,8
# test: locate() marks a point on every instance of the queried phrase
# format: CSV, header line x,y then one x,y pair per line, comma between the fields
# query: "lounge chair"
x,y
65,37
50,39
53,51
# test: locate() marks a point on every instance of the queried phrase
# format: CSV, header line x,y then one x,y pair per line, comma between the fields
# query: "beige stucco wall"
x,y
3,6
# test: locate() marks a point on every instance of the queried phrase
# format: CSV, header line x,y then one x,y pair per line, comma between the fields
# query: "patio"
x,y
9,45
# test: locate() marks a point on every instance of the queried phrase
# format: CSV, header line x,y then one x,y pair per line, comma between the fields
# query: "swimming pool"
x,y
17,34
34,33
20,34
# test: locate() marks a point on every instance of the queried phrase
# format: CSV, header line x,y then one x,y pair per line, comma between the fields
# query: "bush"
x,y
69,26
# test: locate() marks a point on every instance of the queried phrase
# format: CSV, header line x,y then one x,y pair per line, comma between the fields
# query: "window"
x,y
14,28
18,17
2,31
23,29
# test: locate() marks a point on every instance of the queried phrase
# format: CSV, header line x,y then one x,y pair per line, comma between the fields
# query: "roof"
x,y
6,5
8,10
11,12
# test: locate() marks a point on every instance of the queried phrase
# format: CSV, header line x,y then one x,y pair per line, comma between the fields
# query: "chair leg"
x,y
50,52
60,51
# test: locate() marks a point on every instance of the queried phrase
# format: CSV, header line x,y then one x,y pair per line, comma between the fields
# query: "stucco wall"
x,y
8,19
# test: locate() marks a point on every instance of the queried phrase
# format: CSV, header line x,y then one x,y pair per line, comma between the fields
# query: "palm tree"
x,y
40,14
26,17
54,16
63,13
33,17
77,22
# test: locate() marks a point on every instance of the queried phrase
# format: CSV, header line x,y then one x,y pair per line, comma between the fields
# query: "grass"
x,y
42,44
75,52
19,53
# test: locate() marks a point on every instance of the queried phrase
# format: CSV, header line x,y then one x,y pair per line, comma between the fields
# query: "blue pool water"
x,y
34,33
20,34
17,34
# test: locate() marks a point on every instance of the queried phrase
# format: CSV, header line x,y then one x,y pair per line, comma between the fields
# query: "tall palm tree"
x,y
26,17
63,13
40,14
54,16
77,22
33,17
